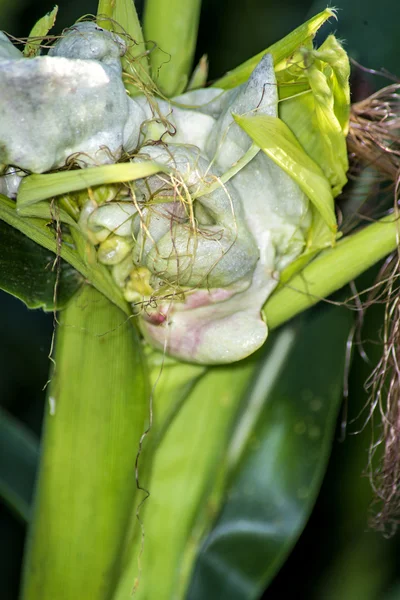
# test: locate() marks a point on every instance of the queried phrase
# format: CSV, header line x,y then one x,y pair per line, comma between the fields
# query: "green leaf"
x,y
105,8
78,252
19,456
41,187
135,62
38,32
319,118
281,51
274,138
280,449
195,433
171,33
121,17
171,389
95,415
45,210
29,272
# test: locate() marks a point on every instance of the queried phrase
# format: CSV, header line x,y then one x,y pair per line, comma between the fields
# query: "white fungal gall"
x,y
51,106
262,216
198,251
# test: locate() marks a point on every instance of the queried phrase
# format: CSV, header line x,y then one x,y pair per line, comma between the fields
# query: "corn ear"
x,y
105,8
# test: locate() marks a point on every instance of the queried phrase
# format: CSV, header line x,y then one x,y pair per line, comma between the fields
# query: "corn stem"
x,y
94,419
333,269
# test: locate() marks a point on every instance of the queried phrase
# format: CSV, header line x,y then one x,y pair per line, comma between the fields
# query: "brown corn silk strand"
x,y
374,141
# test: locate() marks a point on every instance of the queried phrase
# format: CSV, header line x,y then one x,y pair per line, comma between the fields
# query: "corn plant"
x,y
177,229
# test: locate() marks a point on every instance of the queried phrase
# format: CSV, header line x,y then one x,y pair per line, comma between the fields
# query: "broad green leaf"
x,y
170,30
274,138
40,187
39,31
281,51
173,381
360,563
319,118
96,413
78,252
184,467
279,451
19,456
31,273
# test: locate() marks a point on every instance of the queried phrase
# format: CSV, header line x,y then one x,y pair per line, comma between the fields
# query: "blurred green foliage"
x,y
337,557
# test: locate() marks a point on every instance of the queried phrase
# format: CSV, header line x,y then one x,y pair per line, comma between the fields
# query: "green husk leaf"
x,y
178,380
319,118
135,62
171,33
19,456
274,138
30,272
281,51
38,32
105,8
291,88
186,461
40,187
280,450
44,210
96,414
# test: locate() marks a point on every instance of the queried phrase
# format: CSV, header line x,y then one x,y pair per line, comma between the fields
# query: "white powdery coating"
x,y
112,217
51,106
225,325
10,181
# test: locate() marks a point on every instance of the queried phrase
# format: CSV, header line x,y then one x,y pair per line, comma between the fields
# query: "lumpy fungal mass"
x,y
197,247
